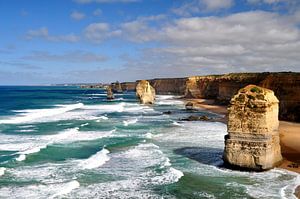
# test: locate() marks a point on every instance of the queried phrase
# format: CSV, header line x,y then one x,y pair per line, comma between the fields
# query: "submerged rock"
x,y
253,139
110,94
167,112
145,92
196,118
189,106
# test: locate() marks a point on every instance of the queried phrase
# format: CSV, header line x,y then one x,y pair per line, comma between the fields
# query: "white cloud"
x,y
76,15
249,41
97,32
217,4
44,34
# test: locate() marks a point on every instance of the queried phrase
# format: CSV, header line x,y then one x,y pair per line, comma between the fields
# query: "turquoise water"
x,y
67,142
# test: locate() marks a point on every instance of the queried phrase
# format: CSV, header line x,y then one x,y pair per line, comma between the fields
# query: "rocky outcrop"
x,y
221,88
116,87
110,94
189,106
196,118
145,92
253,139
173,86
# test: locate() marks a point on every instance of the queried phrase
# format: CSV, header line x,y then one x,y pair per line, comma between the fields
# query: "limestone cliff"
x,y
173,86
202,87
253,139
286,87
128,86
145,92
222,88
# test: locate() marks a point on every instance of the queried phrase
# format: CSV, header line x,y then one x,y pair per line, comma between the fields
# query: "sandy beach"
x,y
289,134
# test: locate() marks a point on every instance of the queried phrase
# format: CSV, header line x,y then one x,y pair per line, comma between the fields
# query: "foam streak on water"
x,y
96,160
34,114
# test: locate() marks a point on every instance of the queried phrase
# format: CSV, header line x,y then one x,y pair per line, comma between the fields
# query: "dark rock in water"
x,y
189,106
110,94
167,112
196,118
297,192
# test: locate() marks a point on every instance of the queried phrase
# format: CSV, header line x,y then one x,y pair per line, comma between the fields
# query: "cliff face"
x,y
287,89
202,87
128,86
145,92
253,139
174,86
229,84
222,88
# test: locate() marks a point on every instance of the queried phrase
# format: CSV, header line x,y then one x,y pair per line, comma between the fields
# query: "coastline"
x,y
289,133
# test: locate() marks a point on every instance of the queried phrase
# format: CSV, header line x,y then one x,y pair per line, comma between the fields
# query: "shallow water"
x,y
67,142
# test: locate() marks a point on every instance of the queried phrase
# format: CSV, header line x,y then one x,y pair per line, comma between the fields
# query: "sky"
x,y
91,41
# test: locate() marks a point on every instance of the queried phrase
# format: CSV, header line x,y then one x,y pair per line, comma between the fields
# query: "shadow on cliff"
x,y
204,155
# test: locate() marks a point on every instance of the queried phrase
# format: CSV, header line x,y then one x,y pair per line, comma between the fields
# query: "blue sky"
x,y
64,41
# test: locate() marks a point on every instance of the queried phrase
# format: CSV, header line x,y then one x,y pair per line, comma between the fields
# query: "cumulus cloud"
x,y
249,41
43,33
76,15
70,57
98,32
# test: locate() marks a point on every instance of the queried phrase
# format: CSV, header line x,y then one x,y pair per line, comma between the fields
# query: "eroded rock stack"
x,y
110,94
145,92
253,139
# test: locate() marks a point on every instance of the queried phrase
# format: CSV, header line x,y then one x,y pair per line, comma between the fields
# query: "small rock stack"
x,y
145,92
110,94
253,140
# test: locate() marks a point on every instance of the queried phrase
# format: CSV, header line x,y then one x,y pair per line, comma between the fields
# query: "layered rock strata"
x,y
145,92
253,139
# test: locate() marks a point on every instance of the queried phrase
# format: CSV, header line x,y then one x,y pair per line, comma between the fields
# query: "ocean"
x,y
68,142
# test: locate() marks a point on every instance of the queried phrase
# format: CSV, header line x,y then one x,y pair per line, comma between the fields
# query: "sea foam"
x,y
129,122
2,171
67,188
34,115
95,160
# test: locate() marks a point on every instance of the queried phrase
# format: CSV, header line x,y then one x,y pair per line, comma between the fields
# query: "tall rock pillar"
x,y
253,139
145,92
